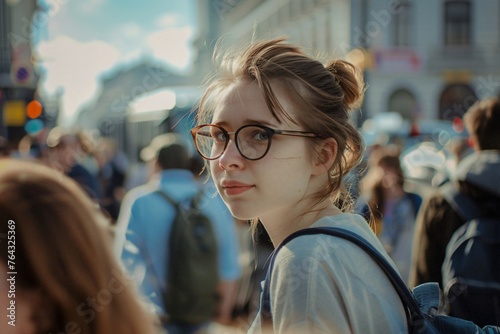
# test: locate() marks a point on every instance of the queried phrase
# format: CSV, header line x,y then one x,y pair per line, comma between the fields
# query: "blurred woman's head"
x,y
383,178
66,275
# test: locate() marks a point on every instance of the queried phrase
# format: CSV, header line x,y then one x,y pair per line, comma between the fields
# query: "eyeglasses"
x,y
252,141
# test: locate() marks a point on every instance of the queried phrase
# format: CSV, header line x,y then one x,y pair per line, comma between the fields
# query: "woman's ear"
x,y
327,153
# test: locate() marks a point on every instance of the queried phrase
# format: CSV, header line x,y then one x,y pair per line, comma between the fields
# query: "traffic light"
x,y
34,111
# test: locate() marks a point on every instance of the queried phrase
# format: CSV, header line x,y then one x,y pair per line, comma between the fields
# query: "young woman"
x,y
393,209
57,272
275,129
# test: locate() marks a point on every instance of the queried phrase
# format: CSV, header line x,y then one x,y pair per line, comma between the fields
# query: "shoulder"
x,y
148,201
330,252
139,191
328,276
144,196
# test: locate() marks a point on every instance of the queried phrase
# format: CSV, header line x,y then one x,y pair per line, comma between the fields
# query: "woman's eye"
x,y
260,135
219,136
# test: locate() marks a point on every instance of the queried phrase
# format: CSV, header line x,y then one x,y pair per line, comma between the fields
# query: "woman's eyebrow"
x,y
247,122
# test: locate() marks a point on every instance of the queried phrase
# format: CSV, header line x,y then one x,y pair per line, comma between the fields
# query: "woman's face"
x,y
390,177
269,187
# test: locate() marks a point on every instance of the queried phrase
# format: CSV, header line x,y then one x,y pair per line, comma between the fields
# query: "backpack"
x,y
193,268
420,305
471,268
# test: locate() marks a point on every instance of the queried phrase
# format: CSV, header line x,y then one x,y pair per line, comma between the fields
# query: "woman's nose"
x,y
231,158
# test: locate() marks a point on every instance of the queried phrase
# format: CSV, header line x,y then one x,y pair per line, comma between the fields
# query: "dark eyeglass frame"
x,y
270,132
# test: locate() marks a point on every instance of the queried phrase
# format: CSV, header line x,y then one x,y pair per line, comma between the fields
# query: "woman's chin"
x,y
240,214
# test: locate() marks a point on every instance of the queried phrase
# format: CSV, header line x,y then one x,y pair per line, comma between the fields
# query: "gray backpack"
x,y
193,275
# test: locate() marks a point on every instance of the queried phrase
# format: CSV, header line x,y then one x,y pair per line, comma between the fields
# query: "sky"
x,y
80,41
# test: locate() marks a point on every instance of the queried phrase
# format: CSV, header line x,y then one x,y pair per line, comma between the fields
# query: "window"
x,y
402,24
403,102
455,100
457,18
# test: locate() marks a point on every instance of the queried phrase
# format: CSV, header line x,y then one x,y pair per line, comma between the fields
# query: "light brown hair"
x,y
483,123
63,252
372,183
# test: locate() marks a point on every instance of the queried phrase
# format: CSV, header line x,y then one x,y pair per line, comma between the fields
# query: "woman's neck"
x,y
280,226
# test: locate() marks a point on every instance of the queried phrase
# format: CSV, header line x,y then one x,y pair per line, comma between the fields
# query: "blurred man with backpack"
x,y
463,211
182,235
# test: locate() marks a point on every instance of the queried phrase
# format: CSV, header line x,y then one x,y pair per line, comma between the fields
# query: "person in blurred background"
x,y
65,154
56,241
113,166
392,209
476,176
87,157
146,248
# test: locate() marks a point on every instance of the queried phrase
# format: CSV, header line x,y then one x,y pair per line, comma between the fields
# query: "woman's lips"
x,y
235,188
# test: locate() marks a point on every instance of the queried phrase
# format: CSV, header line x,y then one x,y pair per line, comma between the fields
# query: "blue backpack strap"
x,y
412,309
462,204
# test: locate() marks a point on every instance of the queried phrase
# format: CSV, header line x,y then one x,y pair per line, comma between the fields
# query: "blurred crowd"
x,y
93,162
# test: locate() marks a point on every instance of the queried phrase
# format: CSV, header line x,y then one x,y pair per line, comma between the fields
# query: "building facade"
x,y
429,59
18,79
425,59
319,26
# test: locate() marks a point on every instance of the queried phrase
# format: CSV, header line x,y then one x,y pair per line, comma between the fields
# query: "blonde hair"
x,y
63,251
324,95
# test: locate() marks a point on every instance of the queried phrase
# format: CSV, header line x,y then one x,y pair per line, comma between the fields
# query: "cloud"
x,y
172,46
168,20
74,67
130,29
90,6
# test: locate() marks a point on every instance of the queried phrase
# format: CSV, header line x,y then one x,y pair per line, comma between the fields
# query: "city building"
x,y
429,59
424,59
18,78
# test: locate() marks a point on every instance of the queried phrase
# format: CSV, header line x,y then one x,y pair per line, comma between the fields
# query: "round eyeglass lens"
x,y
253,141
210,141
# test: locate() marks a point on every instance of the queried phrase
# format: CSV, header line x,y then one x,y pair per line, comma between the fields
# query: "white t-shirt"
x,y
324,284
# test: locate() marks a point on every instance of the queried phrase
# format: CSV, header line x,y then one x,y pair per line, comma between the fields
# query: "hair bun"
x,y
350,80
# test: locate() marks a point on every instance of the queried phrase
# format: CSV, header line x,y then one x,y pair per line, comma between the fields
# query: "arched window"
x,y
403,102
455,100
